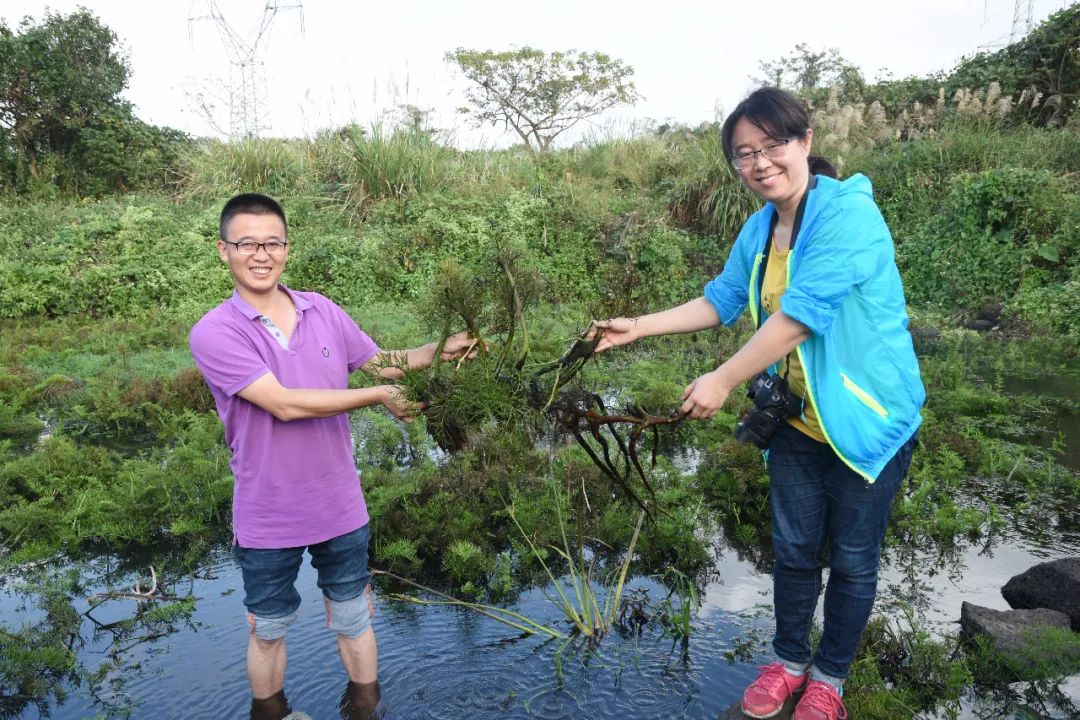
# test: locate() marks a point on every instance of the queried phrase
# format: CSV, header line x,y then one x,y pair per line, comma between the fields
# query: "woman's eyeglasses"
x,y
772,151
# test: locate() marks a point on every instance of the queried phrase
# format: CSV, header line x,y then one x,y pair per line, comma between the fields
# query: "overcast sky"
x,y
352,60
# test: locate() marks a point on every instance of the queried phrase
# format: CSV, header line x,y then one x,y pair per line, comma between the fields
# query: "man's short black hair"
x,y
250,204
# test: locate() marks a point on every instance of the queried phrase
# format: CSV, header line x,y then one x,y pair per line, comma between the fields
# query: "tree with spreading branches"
x,y
812,73
541,95
55,78
63,120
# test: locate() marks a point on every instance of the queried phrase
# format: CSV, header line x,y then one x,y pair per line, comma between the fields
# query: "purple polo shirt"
x,y
296,482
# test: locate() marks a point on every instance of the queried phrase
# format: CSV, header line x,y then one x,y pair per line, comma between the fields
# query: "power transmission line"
x,y
249,98
1023,19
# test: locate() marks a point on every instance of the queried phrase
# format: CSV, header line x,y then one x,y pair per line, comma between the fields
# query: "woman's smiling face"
x,y
780,177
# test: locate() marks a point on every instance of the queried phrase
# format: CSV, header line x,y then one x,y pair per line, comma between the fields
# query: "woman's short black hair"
x,y
778,114
250,204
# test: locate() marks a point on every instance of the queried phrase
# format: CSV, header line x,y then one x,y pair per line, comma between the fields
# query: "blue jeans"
x,y
270,574
818,502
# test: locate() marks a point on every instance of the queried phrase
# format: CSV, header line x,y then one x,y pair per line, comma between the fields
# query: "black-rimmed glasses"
x,y
250,247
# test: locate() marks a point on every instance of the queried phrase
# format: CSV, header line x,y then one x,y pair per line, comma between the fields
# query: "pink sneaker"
x,y
766,696
820,702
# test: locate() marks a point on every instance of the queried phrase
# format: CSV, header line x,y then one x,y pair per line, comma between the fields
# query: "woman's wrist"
x,y
723,376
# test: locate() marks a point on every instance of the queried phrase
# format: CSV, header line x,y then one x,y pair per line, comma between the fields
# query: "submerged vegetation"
x,y
109,441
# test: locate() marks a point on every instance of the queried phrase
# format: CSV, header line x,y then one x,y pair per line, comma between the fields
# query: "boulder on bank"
x,y
1054,585
1009,630
988,318
926,333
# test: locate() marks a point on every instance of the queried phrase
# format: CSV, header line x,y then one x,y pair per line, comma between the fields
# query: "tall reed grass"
x,y
210,170
708,194
357,165
351,167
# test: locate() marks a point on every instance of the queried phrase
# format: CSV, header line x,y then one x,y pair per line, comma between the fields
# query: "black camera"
x,y
773,404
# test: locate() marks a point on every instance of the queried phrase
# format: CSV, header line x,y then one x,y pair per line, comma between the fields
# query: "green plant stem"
x,y
526,625
618,587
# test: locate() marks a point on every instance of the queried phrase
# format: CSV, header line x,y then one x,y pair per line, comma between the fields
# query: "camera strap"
x,y
795,227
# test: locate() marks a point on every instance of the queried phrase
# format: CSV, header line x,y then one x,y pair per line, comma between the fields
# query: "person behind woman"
x,y
816,267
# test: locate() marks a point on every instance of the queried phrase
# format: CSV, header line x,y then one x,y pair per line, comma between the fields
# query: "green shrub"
x,y
993,228
398,555
464,561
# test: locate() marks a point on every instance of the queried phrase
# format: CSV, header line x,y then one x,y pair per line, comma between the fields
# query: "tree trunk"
x,y
32,164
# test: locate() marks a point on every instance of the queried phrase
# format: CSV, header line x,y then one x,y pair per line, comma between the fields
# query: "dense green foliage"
x,y
979,215
63,125
999,232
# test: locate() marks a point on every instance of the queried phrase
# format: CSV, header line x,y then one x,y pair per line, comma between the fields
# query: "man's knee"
x,y
350,618
271,629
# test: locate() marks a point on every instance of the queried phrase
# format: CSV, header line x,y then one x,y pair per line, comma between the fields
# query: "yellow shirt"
x,y
772,289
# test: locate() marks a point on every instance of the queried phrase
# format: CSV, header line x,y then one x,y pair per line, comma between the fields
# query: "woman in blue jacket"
x,y
816,267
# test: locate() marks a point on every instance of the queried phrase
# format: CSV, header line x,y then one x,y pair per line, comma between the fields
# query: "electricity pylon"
x,y
1023,19
249,98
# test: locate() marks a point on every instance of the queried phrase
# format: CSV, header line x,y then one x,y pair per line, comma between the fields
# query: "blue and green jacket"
x,y
862,377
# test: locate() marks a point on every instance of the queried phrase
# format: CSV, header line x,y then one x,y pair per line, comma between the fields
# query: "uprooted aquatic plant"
x,y
575,413
502,385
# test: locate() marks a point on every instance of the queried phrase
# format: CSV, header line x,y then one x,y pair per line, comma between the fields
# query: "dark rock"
x,y
1006,628
1054,585
928,333
990,312
980,325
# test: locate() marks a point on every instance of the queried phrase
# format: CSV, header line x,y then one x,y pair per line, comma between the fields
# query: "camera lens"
x,y
758,427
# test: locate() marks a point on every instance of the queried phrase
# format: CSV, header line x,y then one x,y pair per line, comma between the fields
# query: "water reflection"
x,y
1062,428
447,663
1037,700
275,707
360,701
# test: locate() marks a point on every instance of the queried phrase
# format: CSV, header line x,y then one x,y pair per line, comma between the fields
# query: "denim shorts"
x,y
270,576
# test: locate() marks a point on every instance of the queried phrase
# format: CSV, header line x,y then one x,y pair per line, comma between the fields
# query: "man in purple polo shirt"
x,y
277,362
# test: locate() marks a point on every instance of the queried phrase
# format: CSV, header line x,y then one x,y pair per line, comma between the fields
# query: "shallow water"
x,y
444,663
1063,426
435,662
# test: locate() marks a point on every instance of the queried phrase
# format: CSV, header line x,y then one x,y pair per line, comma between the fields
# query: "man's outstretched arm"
x,y
388,363
298,404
